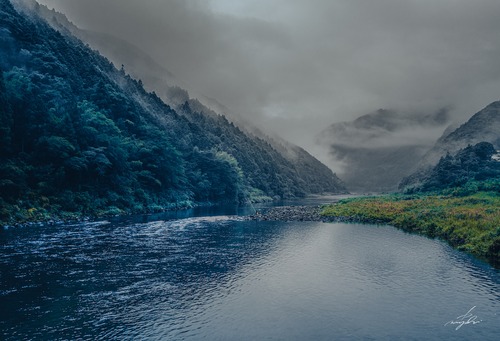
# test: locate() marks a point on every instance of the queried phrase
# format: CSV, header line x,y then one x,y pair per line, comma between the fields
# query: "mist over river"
x,y
212,275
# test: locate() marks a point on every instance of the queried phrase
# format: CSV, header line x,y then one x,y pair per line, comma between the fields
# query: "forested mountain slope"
x,y
484,126
78,135
471,169
177,95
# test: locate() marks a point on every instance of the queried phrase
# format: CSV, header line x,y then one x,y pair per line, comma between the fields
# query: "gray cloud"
x,y
296,66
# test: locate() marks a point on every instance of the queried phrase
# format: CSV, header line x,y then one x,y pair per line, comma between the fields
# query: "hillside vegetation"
x,y
461,173
483,126
79,137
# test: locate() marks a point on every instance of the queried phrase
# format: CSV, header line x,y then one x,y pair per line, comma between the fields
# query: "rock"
x,y
289,213
303,213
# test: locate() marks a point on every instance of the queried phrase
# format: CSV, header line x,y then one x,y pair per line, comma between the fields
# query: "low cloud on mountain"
x,y
375,151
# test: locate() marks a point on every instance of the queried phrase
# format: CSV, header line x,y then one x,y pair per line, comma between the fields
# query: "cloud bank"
x,y
375,151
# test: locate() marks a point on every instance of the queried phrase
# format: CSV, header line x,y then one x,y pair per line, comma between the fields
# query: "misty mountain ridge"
x,y
78,135
484,126
158,79
378,149
392,120
118,51
138,63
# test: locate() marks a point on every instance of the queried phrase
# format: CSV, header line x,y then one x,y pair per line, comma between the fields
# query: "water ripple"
x,y
221,277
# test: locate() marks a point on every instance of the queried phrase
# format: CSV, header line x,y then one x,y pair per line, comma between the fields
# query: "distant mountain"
x,y
378,149
484,126
78,135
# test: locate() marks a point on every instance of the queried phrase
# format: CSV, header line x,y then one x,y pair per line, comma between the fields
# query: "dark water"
x,y
221,278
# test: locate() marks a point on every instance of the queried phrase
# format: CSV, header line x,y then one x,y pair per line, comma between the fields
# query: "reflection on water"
x,y
219,277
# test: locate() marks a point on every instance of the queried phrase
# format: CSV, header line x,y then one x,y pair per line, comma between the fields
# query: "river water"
x,y
213,276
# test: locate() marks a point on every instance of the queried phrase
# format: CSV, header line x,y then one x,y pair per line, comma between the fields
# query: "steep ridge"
x,y
80,136
177,94
484,126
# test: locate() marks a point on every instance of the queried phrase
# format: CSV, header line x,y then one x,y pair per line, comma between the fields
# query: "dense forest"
x,y
77,135
471,169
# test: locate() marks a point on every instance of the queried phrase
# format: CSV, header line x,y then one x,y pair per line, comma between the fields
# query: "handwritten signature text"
x,y
462,320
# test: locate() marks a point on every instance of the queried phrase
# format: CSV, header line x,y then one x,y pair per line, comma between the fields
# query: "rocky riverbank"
x,y
302,213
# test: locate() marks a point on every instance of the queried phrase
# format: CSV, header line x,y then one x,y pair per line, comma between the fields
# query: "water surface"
x,y
221,278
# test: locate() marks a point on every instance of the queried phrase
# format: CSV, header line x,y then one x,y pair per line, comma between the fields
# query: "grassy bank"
x,y
469,223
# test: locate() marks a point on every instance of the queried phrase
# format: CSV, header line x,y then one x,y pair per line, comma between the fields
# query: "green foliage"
x,y
78,137
470,223
464,173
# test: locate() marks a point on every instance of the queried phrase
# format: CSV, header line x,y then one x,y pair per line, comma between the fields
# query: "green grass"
x,y
469,223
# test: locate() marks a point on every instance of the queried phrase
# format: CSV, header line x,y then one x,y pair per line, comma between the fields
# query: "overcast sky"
x,y
296,66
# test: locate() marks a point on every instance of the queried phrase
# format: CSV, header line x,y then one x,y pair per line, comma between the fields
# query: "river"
x,y
211,275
